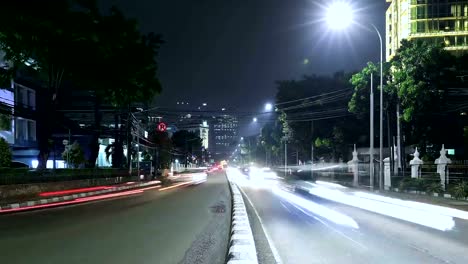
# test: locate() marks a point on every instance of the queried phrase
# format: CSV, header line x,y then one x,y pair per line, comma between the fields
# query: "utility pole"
x,y
399,157
138,150
69,140
381,175
371,137
312,149
129,141
285,158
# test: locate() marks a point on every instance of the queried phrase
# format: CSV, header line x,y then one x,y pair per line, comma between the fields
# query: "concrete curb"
x,y
242,248
74,196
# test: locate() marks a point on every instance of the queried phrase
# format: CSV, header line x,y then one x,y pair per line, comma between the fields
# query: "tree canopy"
x,y
421,73
71,45
187,142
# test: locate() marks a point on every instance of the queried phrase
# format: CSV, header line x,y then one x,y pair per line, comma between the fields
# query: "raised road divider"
x,y
242,245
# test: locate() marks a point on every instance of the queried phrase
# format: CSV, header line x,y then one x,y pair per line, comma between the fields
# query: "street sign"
x,y
162,127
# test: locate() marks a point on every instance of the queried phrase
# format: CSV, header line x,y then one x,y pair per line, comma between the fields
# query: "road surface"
x,y
305,228
181,225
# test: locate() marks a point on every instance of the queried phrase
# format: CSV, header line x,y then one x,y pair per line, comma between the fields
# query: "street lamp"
x,y
339,16
254,120
268,107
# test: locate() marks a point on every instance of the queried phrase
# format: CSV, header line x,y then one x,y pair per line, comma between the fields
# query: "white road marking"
x,y
331,228
285,207
270,242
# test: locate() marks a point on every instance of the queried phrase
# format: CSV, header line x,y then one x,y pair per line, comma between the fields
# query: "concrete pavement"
x,y
180,225
306,228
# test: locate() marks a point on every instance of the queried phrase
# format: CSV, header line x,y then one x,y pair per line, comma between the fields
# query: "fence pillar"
x,y
415,164
396,160
387,174
442,168
353,166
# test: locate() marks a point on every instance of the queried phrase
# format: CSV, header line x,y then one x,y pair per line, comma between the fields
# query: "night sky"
x,y
229,53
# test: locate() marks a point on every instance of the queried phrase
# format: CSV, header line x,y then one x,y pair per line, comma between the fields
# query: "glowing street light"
x,y
268,107
254,120
340,15
204,104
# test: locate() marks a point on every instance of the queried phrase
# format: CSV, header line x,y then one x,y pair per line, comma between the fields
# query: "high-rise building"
x,y
202,131
225,136
440,21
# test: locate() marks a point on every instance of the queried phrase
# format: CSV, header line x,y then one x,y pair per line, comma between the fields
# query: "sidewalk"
x,y
73,196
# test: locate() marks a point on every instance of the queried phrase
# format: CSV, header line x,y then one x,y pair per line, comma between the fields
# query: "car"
x,y
268,174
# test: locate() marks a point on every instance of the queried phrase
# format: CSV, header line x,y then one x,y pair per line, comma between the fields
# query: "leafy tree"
x,y
129,58
42,41
115,151
5,154
74,155
421,72
359,103
5,122
270,139
164,147
146,156
313,106
188,143
58,41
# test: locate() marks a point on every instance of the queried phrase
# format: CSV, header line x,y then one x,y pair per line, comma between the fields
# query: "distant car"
x,y
214,168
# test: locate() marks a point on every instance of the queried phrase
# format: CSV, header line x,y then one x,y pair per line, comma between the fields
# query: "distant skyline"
x,y
229,54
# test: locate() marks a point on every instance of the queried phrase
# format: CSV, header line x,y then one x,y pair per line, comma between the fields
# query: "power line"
x,y
311,97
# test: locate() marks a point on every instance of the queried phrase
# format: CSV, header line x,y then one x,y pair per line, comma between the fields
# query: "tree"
x,y
271,140
41,41
163,149
5,154
311,108
116,152
5,122
57,41
421,73
188,143
74,155
124,70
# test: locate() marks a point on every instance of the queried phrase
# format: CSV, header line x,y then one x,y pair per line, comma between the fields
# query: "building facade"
x,y
225,136
438,21
202,130
18,122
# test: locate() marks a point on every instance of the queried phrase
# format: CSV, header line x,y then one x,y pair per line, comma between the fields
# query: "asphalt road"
x,y
181,225
306,228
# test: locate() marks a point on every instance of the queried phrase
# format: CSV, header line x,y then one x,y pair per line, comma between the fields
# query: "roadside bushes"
x,y
459,190
5,154
429,185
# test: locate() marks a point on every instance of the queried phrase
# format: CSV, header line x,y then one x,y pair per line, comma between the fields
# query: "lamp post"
x,y
339,16
381,111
